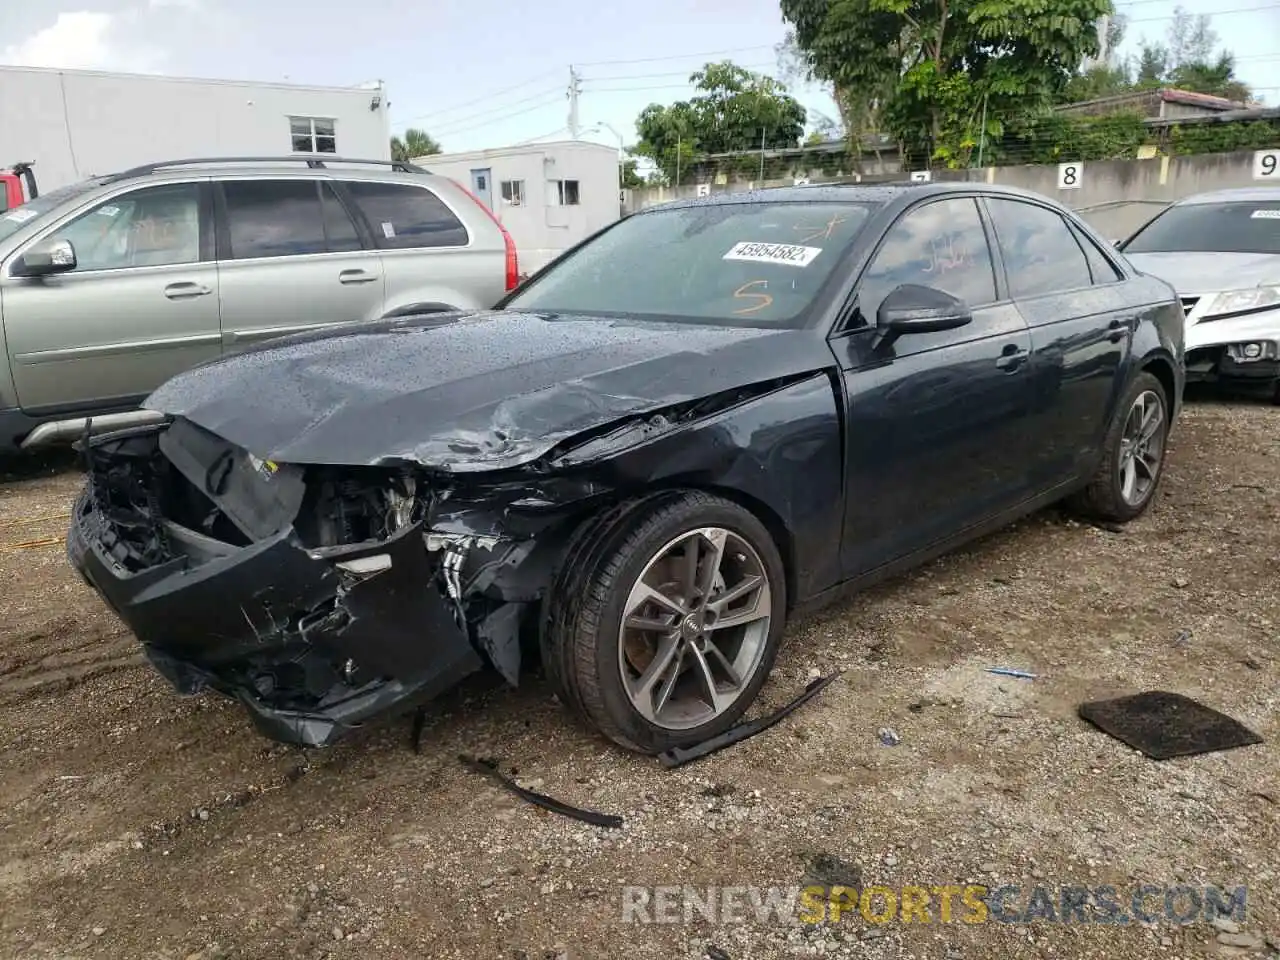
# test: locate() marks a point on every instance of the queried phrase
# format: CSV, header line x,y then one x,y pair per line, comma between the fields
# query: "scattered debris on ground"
x,y
368,849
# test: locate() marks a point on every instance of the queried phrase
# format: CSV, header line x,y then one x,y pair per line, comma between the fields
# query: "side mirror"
x,y
912,308
52,256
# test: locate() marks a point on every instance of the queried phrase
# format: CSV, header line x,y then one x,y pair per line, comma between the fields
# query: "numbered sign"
x,y
800,181
921,176
1070,176
1266,165
704,189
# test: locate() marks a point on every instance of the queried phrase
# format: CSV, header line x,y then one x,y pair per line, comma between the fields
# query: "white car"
x,y
1221,252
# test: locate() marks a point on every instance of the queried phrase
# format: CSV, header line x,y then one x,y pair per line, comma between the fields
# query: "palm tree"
x,y
414,143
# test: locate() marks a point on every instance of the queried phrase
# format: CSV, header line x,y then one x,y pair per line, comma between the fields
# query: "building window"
x,y
513,192
313,135
562,193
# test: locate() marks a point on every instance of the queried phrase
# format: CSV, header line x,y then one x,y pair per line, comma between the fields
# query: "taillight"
x,y
512,261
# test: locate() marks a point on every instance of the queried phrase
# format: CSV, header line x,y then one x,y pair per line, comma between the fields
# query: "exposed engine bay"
x,y
313,595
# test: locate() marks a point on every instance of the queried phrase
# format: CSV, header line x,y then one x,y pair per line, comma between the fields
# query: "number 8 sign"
x,y
1070,175
1266,165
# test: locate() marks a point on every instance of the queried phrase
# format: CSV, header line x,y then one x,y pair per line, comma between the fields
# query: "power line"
x,y
466,128
484,99
679,56
1216,13
547,96
675,73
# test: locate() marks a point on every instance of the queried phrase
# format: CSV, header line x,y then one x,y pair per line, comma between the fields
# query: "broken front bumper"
x,y
312,641
1243,349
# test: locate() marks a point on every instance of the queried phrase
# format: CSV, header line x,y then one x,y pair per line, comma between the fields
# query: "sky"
x,y
477,75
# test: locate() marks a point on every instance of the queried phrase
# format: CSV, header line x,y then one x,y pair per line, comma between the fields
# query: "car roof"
x,y
878,194
1237,195
345,167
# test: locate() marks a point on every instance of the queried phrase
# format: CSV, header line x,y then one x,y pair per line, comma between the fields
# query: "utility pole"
x,y
677,183
574,91
762,155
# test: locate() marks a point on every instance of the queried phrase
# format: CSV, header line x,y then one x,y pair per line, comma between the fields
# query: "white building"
x,y
549,196
76,123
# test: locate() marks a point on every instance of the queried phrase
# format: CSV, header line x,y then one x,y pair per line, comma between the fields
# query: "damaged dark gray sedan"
x,y
707,417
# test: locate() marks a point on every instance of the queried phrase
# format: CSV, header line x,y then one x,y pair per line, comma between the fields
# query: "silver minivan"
x,y
110,286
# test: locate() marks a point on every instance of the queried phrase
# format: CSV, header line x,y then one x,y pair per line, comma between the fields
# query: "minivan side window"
x,y
406,216
941,245
1041,254
152,227
283,218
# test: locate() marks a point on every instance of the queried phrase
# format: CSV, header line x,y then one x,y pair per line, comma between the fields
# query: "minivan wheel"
x,y
1133,455
663,635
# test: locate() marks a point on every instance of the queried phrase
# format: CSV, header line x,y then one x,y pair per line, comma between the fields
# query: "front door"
x,y
935,421
290,257
140,306
482,185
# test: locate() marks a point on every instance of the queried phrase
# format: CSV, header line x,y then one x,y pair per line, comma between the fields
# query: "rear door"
x,y
291,257
141,305
1073,300
937,422
441,250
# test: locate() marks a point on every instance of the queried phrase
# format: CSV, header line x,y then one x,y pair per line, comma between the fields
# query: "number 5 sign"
x,y
1266,165
1070,176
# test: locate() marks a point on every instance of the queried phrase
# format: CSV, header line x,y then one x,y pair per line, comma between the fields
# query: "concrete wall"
x,y
541,227
1116,197
75,123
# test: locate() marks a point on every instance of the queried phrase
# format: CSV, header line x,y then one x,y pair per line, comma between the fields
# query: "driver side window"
x,y
940,245
151,227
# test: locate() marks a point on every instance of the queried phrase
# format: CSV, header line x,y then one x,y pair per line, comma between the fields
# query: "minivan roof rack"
x,y
314,162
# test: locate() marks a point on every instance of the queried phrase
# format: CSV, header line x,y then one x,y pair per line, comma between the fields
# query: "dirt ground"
x,y
138,824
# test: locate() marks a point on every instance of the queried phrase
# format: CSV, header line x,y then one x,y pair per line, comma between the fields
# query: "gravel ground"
x,y
137,824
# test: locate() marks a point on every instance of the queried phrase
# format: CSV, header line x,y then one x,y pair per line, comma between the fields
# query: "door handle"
x,y
1012,357
186,290
356,276
1119,330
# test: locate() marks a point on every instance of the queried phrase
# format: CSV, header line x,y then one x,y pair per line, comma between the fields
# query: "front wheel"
x,y
1132,456
662,634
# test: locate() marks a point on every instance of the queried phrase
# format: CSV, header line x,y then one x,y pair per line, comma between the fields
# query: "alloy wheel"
x,y
694,628
1141,448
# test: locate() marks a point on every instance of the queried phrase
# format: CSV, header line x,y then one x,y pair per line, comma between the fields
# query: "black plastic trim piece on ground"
x,y
596,819
678,756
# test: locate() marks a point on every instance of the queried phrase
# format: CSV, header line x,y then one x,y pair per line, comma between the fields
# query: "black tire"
x,y
585,610
1103,499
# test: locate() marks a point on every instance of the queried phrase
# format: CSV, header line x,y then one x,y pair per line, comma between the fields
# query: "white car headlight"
x,y
1242,301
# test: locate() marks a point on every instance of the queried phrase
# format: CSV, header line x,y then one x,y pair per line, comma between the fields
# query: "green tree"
x,y
414,143
627,175
1189,59
733,110
930,65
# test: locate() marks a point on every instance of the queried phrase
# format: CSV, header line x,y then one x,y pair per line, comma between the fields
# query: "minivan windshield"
x,y
1241,226
14,220
747,263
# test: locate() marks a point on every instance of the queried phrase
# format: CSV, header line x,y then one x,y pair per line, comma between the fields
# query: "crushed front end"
x,y
319,597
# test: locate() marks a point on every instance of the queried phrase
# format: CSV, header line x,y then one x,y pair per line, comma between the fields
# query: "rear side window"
x,y
1103,270
405,216
283,218
1041,255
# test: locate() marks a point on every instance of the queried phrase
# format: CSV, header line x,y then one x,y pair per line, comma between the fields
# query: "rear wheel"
x,y
663,630
1133,455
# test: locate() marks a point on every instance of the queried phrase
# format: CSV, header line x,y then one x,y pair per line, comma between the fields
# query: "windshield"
x,y
754,264
1247,226
17,218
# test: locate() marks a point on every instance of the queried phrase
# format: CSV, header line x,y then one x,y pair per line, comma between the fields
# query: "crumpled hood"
x,y
1196,274
467,392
